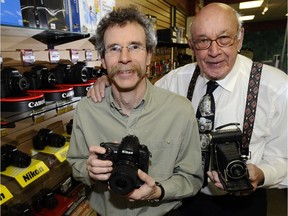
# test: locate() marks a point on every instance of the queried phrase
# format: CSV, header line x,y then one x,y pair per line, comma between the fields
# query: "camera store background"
x,y
264,41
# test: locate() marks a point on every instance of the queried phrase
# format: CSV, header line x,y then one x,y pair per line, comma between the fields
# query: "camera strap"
x,y
251,102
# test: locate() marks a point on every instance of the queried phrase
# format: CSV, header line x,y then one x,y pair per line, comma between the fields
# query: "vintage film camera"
x,y
40,78
127,158
46,137
227,160
13,83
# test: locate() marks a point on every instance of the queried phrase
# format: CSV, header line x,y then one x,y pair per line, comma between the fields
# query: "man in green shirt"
x,y
163,121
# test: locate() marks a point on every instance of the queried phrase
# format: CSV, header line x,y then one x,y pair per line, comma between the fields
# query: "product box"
x,y
45,14
11,13
167,35
86,14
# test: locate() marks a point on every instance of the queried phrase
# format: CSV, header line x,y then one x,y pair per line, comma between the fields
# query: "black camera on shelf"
x,y
228,161
94,73
45,198
68,74
13,83
127,158
10,155
46,137
40,78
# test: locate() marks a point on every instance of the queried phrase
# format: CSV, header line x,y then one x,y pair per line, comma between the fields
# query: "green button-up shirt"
x,y
164,122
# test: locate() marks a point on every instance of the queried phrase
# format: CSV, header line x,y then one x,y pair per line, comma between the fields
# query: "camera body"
x,y
45,198
127,158
40,78
13,83
11,156
67,74
46,137
228,161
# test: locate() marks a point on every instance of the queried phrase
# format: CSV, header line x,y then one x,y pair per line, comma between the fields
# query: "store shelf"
x,y
50,37
170,44
14,117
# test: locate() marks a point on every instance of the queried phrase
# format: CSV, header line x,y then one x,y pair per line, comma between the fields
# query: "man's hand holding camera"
x,y
100,170
256,177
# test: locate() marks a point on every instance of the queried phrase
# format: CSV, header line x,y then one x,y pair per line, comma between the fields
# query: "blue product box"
x,y
85,15
11,13
75,16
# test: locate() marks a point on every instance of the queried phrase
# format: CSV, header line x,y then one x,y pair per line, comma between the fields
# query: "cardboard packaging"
x,y
86,14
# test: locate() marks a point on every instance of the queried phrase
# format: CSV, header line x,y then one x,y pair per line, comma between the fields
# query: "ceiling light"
x,y
250,4
249,17
265,10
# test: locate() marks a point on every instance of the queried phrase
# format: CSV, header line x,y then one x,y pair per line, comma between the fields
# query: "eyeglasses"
x,y
222,41
116,49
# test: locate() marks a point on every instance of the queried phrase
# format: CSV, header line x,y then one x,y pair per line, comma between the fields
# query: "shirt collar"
x,y
229,82
146,98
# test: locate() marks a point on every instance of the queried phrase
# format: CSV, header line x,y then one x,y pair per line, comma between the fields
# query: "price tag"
x,y
5,194
54,56
88,55
38,115
27,56
74,55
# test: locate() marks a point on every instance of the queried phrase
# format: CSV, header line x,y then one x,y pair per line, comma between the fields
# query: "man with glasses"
x,y
135,114
216,38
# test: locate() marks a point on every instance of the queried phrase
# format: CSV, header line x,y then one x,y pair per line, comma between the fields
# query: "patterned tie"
x,y
205,116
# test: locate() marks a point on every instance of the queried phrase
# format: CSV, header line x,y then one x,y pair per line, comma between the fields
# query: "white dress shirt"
x,y
268,144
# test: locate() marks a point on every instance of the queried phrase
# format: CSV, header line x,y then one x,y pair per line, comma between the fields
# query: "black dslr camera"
x,y
67,74
127,158
40,78
11,156
228,161
44,199
13,83
46,137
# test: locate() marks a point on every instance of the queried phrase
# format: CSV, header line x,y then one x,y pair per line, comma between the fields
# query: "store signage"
x,y
5,194
59,153
25,176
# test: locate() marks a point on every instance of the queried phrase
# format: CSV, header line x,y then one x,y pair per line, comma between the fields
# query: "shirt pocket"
x,y
164,155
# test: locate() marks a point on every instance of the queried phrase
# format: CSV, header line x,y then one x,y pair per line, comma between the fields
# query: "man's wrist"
x,y
162,194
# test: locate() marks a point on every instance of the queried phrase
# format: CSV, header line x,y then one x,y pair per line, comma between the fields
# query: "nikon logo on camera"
x,y
25,176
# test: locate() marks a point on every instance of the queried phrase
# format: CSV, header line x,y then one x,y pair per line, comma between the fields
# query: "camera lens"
x,y
123,179
19,84
20,159
51,79
55,140
236,169
11,156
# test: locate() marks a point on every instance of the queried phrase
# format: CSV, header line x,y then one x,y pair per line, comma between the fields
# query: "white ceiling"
x,y
277,10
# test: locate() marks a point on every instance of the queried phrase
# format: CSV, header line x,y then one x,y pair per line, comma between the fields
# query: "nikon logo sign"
x,y
32,174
